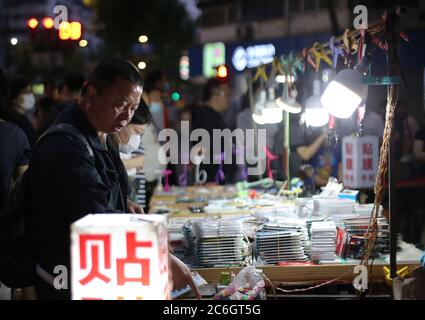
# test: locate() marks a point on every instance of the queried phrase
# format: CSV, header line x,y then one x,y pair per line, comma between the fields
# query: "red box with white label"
x,y
120,257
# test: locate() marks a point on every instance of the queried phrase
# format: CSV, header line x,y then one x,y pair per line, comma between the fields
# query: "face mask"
x,y
28,101
155,107
132,145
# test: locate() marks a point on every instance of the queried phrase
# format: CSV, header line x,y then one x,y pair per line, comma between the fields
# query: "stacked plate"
x,y
305,207
334,209
140,187
357,229
218,243
365,210
285,240
289,211
310,223
323,241
179,245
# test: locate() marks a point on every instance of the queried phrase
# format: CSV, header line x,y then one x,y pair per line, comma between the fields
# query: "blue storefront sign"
x,y
242,55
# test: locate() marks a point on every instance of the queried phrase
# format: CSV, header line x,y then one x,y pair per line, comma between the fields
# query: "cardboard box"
x,y
120,257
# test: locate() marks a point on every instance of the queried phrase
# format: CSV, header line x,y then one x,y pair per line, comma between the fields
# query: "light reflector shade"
x,y
344,94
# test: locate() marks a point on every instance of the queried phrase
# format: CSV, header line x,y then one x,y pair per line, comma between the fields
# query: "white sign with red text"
x,y
120,257
360,160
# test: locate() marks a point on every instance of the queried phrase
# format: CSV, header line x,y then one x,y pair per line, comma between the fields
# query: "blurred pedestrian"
x,y
21,102
15,155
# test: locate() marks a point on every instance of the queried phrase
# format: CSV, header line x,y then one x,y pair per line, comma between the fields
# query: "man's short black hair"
x,y
108,71
211,88
142,115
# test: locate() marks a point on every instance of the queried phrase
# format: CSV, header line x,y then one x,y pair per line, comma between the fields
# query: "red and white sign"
x,y
120,257
360,160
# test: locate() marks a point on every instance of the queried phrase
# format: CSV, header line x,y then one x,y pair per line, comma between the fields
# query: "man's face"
x,y
223,97
113,108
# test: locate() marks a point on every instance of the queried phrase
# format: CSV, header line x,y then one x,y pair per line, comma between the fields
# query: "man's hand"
x,y
181,276
134,207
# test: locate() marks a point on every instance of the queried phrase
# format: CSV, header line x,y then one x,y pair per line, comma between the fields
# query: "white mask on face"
x,y
131,146
28,101
155,107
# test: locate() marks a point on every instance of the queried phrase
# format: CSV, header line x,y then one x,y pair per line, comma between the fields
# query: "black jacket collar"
x,y
76,117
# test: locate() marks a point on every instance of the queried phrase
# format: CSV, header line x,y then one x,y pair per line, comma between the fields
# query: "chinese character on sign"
x,y
95,243
360,159
349,149
120,257
349,164
367,149
368,164
144,264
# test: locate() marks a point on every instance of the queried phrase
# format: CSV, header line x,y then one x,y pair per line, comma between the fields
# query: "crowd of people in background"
x,y
34,114
25,116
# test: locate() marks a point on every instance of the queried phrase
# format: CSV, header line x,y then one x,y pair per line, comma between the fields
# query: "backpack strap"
x,y
69,129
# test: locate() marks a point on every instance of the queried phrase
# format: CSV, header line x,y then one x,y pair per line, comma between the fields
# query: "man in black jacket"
x,y
69,180
209,117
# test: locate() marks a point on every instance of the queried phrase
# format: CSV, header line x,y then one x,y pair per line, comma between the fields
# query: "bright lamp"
x,y
346,92
315,114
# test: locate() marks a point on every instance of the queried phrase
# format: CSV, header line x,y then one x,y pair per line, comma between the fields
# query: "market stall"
x,y
231,233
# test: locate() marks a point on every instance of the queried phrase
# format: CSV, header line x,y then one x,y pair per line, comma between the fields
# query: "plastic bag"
x,y
410,288
247,285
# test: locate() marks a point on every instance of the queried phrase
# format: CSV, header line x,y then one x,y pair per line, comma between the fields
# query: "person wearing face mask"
x,y
15,154
153,96
20,104
132,153
72,175
209,116
156,93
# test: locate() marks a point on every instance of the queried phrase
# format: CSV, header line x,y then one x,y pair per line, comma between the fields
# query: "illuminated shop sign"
x,y
253,56
214,54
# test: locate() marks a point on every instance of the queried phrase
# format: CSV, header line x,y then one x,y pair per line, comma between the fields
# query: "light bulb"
x,y
344,94
315,115
259,119
288,102
289,105
272,115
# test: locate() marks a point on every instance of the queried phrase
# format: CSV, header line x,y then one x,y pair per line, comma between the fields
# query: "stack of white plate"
x,y
365,210
289,211
305,207
177,237
323,241
360,225
218,242
334,209
285,240
178,244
